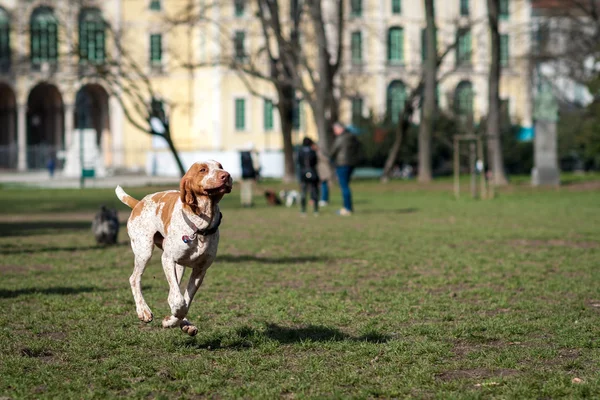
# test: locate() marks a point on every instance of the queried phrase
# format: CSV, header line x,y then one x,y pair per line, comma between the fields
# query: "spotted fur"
x,y
157,220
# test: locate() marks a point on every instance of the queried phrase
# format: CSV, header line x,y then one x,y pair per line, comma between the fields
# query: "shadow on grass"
x,y
60,290
54,249
30,227
390,211
270,260
247,337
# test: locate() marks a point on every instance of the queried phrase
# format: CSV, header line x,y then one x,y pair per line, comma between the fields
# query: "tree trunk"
x,y
395,149
429,104
175,153
284,106
493,121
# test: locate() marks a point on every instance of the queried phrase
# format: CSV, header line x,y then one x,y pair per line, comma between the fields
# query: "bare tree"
x,y
493,118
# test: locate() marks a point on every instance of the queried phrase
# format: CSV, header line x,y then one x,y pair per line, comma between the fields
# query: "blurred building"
x,y
52,51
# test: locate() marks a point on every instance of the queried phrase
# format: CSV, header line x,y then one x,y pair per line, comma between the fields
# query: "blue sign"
x,y
526,134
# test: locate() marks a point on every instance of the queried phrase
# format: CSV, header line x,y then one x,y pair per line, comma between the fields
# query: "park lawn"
x,y
416,295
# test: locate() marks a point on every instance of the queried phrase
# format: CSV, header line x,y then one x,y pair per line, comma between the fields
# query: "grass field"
x,y
416,295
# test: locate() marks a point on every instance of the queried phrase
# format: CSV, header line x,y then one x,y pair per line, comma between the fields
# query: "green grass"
x,y
416,295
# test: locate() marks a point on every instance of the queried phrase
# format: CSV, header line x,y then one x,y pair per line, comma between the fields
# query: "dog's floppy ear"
x,y
187,194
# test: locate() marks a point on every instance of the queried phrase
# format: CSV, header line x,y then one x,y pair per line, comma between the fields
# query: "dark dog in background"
x,y
272,198
106,226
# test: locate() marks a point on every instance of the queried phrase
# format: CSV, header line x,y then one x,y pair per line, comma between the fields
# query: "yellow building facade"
x,y
68,66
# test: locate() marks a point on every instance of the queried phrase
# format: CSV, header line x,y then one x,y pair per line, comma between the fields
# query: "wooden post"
x,y
456,167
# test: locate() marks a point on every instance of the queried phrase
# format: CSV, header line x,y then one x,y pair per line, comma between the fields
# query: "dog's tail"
x,y
125,198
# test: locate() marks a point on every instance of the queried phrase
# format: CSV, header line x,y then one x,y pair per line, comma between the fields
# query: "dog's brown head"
x,y
205,179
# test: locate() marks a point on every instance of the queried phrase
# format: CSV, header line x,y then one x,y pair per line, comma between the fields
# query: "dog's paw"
x,y
145,316
188,328
170,321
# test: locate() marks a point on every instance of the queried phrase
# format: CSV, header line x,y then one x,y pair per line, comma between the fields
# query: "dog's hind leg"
x,y
142,250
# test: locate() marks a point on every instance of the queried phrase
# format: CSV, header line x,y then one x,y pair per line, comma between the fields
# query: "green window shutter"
x,y
268,115
504,50
296,114
504,11
396,45
44,32
357,109
356,47
155,5
464,8
463,49
240,114
396,6
4,40
238,8
356,8
91,36
156,49
396,98
240,37
464,99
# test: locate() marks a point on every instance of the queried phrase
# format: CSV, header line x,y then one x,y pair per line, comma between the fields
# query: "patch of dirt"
x,y
53,335
593,304
462,348
24,268
477,373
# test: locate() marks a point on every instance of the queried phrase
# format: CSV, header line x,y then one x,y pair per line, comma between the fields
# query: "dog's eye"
x,y
203,170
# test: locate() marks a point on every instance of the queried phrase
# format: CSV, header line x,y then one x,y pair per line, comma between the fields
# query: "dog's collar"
x,y
202,232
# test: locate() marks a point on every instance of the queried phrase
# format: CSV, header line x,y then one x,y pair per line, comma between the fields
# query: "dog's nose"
x,y
224,176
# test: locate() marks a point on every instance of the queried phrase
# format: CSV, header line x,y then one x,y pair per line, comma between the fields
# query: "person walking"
x,y
309,177
324,171
344,156
250,171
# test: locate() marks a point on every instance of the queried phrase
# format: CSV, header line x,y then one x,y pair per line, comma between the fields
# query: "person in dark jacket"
x,y
343,155
250,173
309,178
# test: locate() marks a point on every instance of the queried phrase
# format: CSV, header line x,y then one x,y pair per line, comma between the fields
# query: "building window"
x,y
240,114
357,110
356,42
396,45
504,11
44,36
463,100
396,6
155,5
294,10
238,7
156,50
91,36
296,114
396,99
463,48
268,115
504,50
4,40
464,8
355,8
239,39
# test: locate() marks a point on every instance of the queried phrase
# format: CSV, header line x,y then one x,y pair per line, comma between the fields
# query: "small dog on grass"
x,y
289,197
185,225
106,226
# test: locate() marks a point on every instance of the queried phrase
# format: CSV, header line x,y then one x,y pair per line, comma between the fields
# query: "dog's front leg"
x,y
196,278
175,299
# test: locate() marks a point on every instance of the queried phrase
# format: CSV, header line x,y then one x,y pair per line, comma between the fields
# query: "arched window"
x,y
395,42
91,36
4,40
44,36
396,99
463,99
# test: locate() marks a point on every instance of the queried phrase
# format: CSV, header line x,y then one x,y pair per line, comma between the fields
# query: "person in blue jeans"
x,y
344,156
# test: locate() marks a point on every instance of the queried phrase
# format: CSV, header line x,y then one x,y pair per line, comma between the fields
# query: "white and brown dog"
x,y
184,224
